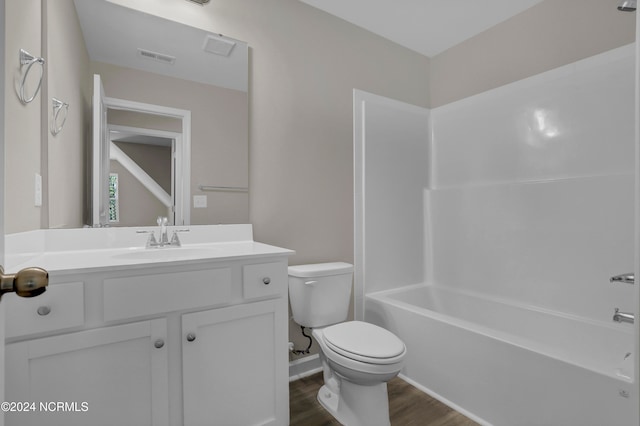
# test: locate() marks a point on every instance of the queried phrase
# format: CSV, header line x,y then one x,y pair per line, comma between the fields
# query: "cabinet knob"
x,y
158,343
43,310
191,337
266,280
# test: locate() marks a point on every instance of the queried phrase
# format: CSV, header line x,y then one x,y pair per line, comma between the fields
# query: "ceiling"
x,y
130,38
428,27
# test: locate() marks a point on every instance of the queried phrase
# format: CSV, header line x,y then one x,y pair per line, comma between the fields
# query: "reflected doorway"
x,y
141,175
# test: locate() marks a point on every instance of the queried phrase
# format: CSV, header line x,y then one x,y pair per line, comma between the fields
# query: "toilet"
x,y
358,358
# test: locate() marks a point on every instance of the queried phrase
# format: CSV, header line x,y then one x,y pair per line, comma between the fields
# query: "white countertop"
x,y
74,251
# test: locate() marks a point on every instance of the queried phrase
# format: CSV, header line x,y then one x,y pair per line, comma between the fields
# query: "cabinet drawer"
x,y
60,307
264,279
155,294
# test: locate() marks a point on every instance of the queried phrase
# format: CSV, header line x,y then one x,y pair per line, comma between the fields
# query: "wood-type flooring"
x,y
408,406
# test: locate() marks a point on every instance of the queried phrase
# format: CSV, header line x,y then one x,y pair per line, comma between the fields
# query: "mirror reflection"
x,y
140,59
139,158
152,119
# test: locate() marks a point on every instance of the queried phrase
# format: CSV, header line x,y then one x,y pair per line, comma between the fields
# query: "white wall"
x,y
532,191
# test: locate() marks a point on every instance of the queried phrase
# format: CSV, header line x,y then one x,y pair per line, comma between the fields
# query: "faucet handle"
x,y
162,220
175,241
151,242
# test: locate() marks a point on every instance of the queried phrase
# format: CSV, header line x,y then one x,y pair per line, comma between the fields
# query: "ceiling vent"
x,y
155,56
218,44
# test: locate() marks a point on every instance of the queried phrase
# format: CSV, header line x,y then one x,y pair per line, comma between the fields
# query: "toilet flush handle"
x,y
310,282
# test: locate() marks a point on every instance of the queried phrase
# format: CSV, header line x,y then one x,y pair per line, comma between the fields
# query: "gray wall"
x,y
304,65
64,155
22,130
546,36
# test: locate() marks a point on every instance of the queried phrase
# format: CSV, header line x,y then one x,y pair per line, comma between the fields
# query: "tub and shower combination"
x,y
486,231
505,364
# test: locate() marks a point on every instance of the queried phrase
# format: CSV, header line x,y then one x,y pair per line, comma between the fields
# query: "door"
x,y
2,323
637,224
2,89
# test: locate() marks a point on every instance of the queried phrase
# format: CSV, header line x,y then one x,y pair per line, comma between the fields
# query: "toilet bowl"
x,y
357,367
358,358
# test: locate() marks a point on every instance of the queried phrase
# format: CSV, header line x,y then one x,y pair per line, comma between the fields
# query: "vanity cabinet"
x,y
198,343
98,373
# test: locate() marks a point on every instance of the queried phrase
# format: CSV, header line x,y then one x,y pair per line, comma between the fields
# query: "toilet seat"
x,y
364,342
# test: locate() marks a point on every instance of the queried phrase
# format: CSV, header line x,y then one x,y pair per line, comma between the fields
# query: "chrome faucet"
x,y
162,222
163,238
623,316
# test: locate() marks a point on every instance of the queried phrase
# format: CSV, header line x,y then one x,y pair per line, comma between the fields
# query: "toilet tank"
x,y
320,293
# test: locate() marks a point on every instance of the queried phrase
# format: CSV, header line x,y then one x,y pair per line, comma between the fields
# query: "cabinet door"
x,y
235,365
107,376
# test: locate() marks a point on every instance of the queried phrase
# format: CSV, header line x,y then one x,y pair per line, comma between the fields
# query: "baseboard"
x,y
444,401
304,367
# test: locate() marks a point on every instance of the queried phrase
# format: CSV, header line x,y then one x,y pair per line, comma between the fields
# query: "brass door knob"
x,y
28,282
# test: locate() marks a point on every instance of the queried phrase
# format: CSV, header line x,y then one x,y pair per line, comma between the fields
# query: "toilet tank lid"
x,y
320,269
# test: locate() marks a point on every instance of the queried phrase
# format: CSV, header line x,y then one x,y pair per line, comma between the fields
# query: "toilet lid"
x,y
364,341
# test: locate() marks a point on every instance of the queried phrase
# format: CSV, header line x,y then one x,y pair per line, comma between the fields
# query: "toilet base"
x,y
357,405
329,400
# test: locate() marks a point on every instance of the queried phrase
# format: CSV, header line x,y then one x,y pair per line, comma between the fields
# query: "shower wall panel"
x,y
531,195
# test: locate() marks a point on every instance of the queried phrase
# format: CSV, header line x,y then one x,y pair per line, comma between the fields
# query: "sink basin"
x,y
168,253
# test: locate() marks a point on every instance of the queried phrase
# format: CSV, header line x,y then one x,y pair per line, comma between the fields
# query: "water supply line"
x,y
304,351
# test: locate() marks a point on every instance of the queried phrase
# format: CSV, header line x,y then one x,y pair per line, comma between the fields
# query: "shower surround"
x,y
522,202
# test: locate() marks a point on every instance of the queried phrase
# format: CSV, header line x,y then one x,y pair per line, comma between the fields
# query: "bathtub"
x,y
501,363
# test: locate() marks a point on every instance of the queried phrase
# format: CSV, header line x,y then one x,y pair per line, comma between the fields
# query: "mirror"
x,y
142,59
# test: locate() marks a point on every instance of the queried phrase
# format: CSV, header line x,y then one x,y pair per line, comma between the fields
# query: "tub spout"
x,y
623,317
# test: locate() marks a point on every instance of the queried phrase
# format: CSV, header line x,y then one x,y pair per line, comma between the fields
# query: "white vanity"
x,y
195,335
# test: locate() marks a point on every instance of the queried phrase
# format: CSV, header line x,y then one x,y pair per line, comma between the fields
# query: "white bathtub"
x,y
506,364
